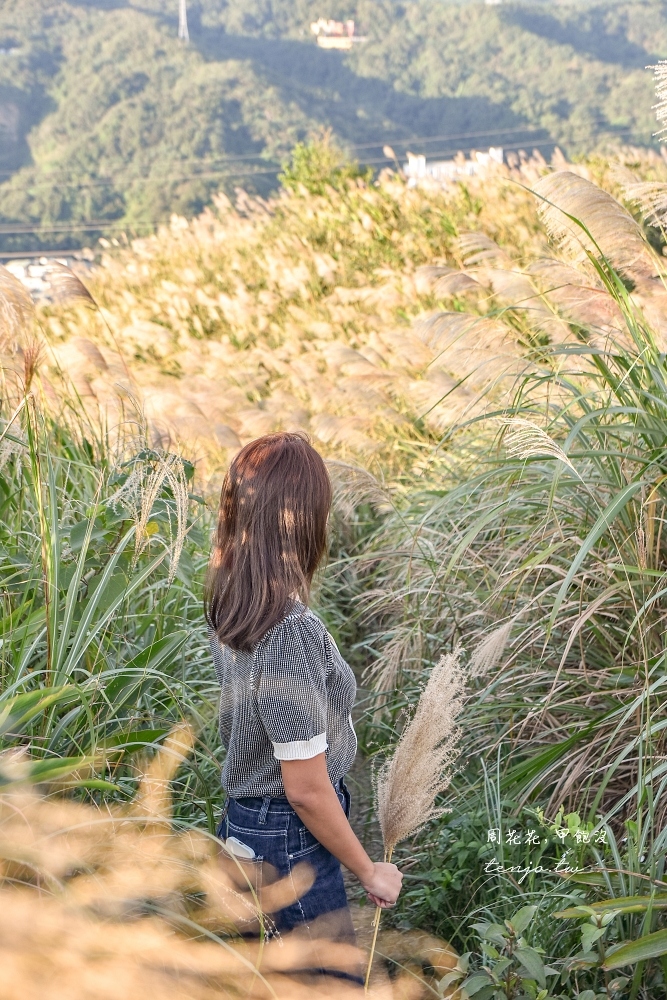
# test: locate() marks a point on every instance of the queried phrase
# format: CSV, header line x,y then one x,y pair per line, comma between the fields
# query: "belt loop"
x,y
266,802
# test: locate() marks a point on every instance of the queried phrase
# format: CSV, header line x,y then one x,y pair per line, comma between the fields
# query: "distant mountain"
x,y
107,121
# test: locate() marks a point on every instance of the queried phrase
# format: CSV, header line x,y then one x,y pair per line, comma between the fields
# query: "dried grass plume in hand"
x,y
421,766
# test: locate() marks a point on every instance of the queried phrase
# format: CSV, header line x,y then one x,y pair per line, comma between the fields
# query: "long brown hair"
x,y
271,535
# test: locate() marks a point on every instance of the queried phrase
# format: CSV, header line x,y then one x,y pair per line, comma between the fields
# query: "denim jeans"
x,y
277,836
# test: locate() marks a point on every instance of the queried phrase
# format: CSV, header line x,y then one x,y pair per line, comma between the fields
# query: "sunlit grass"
x,y
487,375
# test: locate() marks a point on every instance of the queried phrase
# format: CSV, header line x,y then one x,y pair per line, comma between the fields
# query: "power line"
x,y
191,159
403,141
120,225
97,227
226,158
204,175
477,135
58,252
211,174
355,145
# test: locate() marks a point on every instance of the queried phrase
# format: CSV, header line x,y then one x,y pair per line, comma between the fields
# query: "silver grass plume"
x,y
11,444
17,311
344,430
428,274
139,493
441,330
420,768
617,235
650,197
490,650
595,311
153,797
580,296
477,249
660,78
496,270
456,283
65,285
444,281
475,349
404,649
353,486
524,440
556,274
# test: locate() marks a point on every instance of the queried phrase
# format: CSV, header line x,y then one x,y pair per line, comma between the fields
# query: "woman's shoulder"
x,y
299,626
299,623
300,618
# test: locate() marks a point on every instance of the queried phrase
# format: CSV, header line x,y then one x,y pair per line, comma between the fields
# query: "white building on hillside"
x,y
418,167
335,34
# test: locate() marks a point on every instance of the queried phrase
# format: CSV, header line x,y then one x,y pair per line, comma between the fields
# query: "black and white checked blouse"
x,y
290,699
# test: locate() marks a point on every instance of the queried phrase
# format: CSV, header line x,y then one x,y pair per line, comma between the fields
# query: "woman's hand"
x,y
384,884
312,796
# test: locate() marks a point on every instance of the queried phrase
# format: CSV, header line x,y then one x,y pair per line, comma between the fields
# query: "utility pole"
x,y
183,32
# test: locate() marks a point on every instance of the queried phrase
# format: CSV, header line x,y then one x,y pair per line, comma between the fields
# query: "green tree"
x,y
318,163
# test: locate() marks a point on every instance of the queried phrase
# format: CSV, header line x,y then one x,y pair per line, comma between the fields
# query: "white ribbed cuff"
x,y
300,749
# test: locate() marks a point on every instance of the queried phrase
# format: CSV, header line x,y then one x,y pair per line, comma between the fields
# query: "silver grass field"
x,y
484,368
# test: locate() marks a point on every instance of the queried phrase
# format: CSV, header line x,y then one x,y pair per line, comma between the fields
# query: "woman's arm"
x,y
312,796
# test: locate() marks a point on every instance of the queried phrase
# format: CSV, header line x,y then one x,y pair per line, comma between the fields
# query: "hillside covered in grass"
x,y
108,122
311,311
356,311
484,367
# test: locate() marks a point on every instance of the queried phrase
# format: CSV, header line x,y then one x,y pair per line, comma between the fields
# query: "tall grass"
x,y
103,543
550,537
537,530
102,648
298,313
510,397
571,554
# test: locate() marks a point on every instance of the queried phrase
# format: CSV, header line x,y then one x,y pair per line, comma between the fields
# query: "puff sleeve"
x,y
291,689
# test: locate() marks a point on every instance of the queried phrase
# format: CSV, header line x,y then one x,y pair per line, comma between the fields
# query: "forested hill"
x,y
108,121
